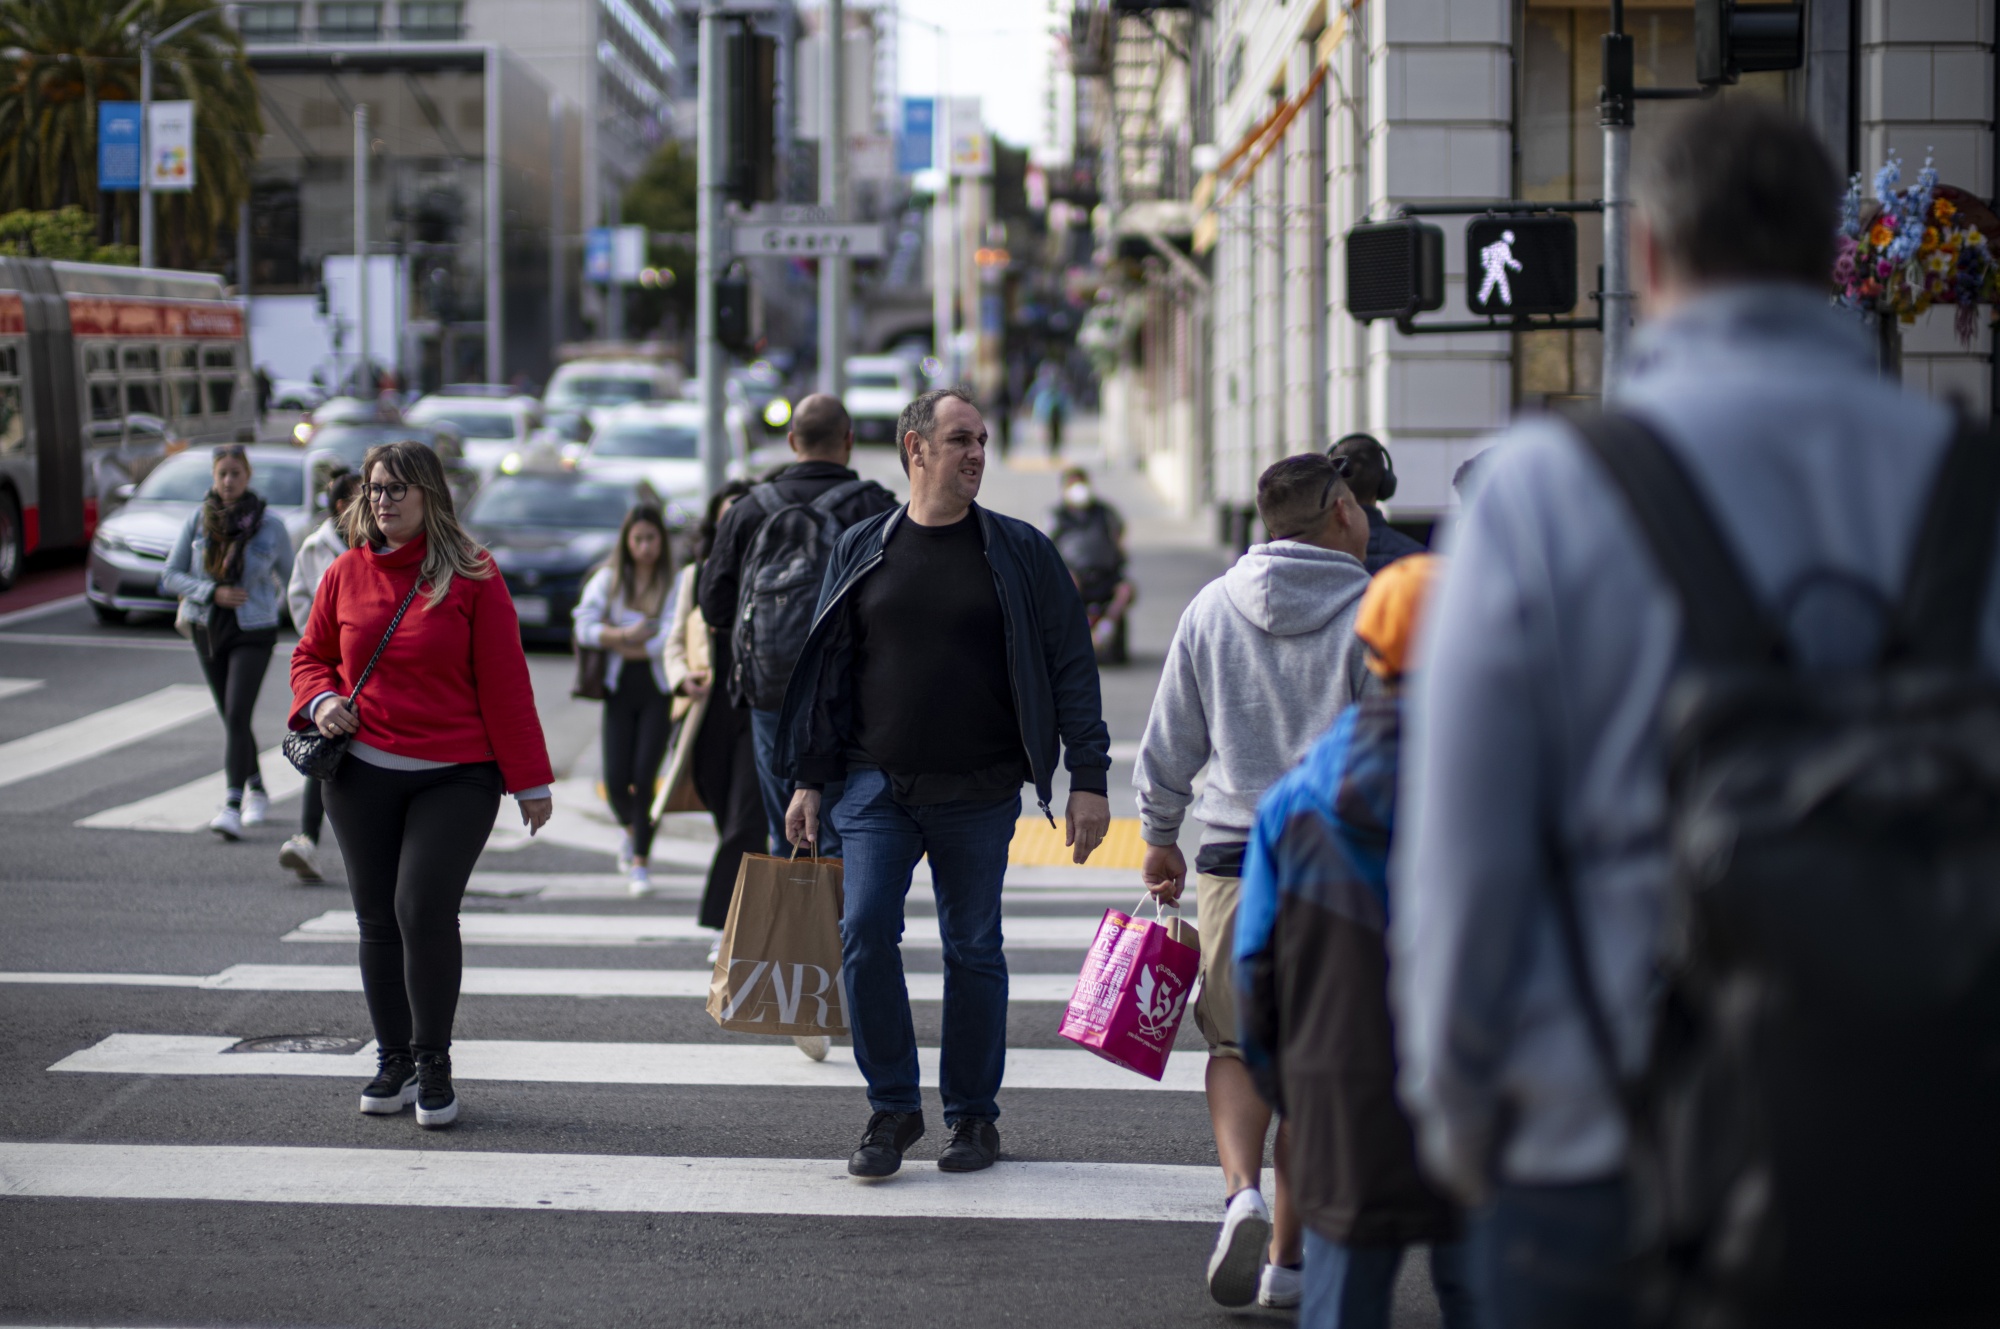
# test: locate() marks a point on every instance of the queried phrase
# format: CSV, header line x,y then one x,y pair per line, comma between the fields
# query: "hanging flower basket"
x,y
1909,249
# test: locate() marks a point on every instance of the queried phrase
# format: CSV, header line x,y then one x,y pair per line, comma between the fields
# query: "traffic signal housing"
x,y
1732,39
1516,266
732,311
1395,269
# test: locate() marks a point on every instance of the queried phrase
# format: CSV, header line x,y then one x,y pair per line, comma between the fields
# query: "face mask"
x,y
1077,496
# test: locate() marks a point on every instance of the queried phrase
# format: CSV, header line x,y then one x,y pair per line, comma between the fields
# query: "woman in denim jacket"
x,y
229,569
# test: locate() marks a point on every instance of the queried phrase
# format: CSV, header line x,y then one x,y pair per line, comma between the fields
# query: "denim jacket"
x,y
267,566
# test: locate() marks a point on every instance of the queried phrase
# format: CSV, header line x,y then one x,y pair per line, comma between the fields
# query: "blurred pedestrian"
x,y
446,724
622,613
228,568
316,554
771,568
1089,533
1371,474
1050,396
948,661
1539,766
1263,660
1312,977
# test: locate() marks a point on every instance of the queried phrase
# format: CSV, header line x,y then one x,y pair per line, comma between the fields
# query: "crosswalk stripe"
x,y
102,731
188,807
14,687
504,982
758,1064
480,1179
683,885
657,929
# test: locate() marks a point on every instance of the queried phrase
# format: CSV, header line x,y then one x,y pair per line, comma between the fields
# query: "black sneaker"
x,y
394,1086
881,1151
437,1105
974,1145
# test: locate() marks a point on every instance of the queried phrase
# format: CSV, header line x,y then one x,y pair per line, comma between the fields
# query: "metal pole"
x,y
944,272
559,187
711,245
832,192
1615,113
146,152
361,244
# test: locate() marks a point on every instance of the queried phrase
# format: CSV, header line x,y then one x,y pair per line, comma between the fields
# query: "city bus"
x,y
104,370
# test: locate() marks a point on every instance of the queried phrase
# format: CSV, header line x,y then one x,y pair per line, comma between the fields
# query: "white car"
x,y
661,446
878,388
595,386
492,427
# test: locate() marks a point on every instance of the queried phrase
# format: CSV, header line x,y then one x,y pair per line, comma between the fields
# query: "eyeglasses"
x,y
395,491
230,452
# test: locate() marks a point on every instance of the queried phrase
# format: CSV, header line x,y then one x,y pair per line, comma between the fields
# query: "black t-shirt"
x,y
931,690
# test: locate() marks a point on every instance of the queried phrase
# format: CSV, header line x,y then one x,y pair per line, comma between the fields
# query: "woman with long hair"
x,y
327,542
623,613
228,569
445,725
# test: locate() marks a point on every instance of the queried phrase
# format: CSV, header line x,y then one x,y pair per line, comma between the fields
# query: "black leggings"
x,y
312,812
638,724
235,676
411,839
725,775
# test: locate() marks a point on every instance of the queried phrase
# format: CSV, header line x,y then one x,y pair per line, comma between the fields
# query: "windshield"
x,y
477,424
351,442
635,440
186,479
873,380
602,390
533,500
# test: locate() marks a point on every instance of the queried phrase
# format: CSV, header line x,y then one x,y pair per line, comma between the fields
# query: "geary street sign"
x,y
809,239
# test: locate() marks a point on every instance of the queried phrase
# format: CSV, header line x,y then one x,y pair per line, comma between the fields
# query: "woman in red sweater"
x,y
445,724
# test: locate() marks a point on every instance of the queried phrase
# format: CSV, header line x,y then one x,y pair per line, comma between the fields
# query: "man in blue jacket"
x,y
948,662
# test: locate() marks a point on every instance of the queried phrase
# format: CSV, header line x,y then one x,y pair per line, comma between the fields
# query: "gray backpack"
x,y
778,588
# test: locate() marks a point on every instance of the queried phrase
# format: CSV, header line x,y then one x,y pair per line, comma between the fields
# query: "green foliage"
x,y
66,56
67,233
662,198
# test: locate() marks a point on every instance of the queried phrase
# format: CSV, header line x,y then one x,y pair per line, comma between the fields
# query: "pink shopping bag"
x,y
1133,990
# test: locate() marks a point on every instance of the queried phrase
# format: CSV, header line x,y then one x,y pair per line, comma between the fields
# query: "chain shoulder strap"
x,y
384,643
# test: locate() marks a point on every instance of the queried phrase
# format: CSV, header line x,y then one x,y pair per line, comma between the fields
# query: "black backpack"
x,y
778,588
1816,1132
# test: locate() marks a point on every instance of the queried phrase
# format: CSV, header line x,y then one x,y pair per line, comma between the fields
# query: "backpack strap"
x,y
839,494
1723,621
767,497
1945,599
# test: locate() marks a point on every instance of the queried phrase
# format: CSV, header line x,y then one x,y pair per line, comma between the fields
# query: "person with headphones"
x,y
1364,463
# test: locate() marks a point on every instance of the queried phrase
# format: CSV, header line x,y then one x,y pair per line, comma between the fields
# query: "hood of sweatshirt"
x,y
1288,588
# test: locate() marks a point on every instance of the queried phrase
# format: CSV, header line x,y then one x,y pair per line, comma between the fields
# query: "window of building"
x,y
271,22
350,18
439,19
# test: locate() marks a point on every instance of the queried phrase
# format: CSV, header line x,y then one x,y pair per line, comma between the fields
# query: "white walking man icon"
x,y
1496,258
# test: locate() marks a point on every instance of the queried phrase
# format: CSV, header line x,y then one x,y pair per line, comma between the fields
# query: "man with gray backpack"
x,y
1696,927
761,584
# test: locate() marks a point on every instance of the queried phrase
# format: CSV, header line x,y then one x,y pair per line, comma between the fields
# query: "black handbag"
x,y
590,670
311,753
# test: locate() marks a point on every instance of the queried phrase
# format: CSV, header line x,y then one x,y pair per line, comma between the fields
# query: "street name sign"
x,y
810,240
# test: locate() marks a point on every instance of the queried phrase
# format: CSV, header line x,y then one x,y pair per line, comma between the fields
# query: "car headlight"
x,y
110,542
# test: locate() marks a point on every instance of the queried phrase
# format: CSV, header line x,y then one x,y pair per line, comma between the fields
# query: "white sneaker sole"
x,y
1234,1267
389,1107
444,1116
229,835
815,1046
292,859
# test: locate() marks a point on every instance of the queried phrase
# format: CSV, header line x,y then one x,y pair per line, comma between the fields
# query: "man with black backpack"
x,y
761,584
1696,938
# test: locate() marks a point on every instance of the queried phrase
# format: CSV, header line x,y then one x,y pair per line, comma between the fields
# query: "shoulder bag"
x,y
312,753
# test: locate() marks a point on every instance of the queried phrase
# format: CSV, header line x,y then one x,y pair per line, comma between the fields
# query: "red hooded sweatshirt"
x,y
452,685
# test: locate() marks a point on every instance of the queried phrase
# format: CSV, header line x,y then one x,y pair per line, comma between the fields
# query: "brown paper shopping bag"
x,y
778,971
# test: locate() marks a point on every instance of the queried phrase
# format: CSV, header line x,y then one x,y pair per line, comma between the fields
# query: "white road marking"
x,y
43,610
501,982
103,731
14,687
187,808
750,1063
109,641
481,929
479,1179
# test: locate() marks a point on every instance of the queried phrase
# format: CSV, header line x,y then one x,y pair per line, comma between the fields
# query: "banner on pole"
x,y
597,254
969,151
916,143
170,135
117,145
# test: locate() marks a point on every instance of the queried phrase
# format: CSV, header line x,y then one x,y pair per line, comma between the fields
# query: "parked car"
x,y
130,549
296,394
547,529
660,445
492,427
878,388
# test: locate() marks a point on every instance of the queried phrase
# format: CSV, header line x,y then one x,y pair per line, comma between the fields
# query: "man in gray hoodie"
x,y
1264,659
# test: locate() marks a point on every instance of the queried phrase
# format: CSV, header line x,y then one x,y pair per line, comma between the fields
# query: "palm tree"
x,y
63,57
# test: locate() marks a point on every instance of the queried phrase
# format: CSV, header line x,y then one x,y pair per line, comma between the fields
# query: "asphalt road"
x,y
623,1161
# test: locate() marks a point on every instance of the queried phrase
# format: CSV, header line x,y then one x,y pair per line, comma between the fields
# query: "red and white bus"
x,y
103,370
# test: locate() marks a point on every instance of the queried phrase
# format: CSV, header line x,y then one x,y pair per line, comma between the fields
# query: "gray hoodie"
x,y
1263,660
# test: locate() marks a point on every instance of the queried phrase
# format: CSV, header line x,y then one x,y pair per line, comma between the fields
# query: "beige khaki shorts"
x,y
1215,1009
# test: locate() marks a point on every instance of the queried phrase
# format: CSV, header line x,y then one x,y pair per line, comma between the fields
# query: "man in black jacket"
x,y
822,438
1369,473
947,664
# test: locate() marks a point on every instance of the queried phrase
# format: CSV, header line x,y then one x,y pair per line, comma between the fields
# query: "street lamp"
x,y
146,45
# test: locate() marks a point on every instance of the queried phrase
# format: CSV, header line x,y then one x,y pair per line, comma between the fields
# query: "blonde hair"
x,y
449,551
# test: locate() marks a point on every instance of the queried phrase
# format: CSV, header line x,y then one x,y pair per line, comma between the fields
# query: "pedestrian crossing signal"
x,y
1394,269
1518,266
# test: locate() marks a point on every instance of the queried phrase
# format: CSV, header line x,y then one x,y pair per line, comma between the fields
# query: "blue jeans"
x,y
1354,1287
967,844
1554,1257
777,790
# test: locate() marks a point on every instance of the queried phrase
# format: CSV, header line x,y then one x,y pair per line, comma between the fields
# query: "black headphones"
x,y
1387,489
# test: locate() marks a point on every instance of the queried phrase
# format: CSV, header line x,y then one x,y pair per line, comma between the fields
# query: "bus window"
x,y
100,357
10,360
218,357
142,399
104,403
13,429
221,391
180,357
186,394
142,359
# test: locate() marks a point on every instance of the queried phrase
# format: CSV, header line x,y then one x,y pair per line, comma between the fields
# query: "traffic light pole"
x,y
711,249
1615,114
832,188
